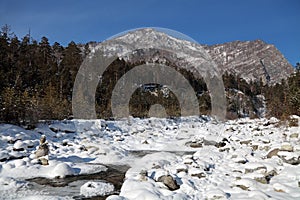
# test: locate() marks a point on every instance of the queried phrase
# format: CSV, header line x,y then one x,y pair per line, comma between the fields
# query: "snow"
x,y
92,188
62,170
238,169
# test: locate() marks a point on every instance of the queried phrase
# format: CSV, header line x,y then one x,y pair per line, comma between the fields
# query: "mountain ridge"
x,y
251,60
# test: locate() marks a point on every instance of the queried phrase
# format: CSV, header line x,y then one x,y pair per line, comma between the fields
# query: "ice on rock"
x,y
93,188
62,170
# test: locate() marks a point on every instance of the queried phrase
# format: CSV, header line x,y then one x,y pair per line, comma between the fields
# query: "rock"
x,y
143,175
118,138
220,144
43,161
195,144
242,58
43,150
273,152
294,135
279,187
196,172
254,147
240,159
181,168
245,142
4,156
19,163
93,188
289,157
42,139
145,142
257,167
62,170
261,178
19,146
215,194
209,142
169,181
286,147
297,148
245,183
199,175
188,161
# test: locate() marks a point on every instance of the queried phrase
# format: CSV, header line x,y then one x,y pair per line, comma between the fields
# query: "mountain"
x,y
251,60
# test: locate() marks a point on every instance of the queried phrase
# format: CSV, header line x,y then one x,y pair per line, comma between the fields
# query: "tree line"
x,y
37,80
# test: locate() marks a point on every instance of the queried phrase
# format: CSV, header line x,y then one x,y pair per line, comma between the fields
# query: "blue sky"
x,y
208,22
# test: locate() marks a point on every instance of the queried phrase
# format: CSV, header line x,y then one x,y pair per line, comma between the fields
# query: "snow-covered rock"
x,y
61,170
93,188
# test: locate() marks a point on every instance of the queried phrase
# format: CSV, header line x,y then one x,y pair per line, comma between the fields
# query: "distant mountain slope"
x,y
251,60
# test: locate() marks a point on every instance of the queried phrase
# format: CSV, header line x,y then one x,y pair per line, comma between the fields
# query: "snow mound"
x,y
62,170
92,188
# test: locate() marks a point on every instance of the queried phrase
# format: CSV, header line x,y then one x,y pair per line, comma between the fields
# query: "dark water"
x,y
70,186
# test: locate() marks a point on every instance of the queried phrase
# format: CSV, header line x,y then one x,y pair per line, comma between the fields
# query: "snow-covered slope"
x,y
252,60
181,53
240,159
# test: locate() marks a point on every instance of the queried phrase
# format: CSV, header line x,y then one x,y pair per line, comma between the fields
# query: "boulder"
x,y
169,181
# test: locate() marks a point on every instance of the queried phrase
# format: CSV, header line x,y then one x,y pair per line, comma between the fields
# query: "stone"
x,y
273,152
289,157
286,147
245,142
181,168
43,161
145,142
19,146
188,161
62,170
254,147
143,175
297,147
254,167
194,144
169,181
199,175
43,150
294,135
42,139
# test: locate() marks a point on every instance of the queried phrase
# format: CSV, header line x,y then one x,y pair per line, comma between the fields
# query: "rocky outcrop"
x,y
252,60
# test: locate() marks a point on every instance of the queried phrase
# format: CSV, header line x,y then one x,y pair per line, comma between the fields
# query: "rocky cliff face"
x,y
252,60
